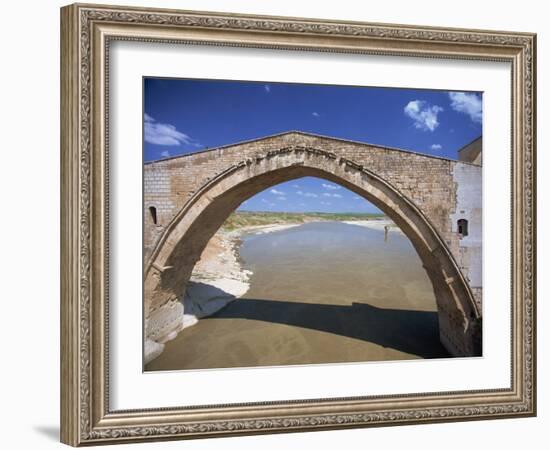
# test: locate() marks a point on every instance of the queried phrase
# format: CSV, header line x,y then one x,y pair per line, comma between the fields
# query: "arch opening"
x,y
171,262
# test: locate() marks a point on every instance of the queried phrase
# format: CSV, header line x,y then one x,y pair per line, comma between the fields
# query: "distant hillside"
x,y
241,219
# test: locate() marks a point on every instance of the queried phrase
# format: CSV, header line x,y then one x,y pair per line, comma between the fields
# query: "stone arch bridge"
x,y
433,200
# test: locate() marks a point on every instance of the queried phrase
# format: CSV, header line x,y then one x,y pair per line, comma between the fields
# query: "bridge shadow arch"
x,y
407,331
171,262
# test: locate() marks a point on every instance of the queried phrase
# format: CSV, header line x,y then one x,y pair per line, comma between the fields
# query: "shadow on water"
x,y
412,332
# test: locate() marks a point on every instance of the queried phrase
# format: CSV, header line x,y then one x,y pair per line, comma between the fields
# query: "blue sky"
x,y
308,194
184,116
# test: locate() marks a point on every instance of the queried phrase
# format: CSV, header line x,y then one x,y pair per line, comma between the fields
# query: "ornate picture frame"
x,y
87,31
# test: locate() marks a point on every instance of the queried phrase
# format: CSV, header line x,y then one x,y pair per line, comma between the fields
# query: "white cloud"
x,y
356,197
423,114
283,199
326,203
297,186
267,88
467,103
164,133
330,186
315,114
276,192
165,154
327,194
436,146
307,194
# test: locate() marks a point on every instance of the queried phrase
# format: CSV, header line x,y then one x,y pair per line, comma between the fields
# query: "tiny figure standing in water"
x,y
386,229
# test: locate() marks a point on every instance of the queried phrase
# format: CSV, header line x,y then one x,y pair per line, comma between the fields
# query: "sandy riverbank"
x,y
376,224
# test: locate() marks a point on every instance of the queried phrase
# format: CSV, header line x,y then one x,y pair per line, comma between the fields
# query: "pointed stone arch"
x,y
170,263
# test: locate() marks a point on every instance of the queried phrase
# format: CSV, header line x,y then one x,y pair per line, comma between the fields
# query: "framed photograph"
x,y
279,224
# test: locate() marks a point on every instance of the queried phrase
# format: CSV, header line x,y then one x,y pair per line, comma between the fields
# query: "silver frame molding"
x,y
86,31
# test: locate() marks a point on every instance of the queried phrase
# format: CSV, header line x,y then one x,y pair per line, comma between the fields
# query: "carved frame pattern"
x,y
86,33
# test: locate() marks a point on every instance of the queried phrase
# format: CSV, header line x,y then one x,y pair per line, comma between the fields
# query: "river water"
x,y
324,292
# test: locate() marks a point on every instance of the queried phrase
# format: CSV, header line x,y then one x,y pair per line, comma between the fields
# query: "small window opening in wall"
x,y
153,212
462,227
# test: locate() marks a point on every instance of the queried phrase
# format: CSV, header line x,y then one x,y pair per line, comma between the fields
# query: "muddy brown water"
x,y
325,292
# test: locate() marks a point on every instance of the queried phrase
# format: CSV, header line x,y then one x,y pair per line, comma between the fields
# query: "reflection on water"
x,y
320,293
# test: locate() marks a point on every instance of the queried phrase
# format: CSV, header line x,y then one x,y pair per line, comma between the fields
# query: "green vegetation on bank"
x,y
240,219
